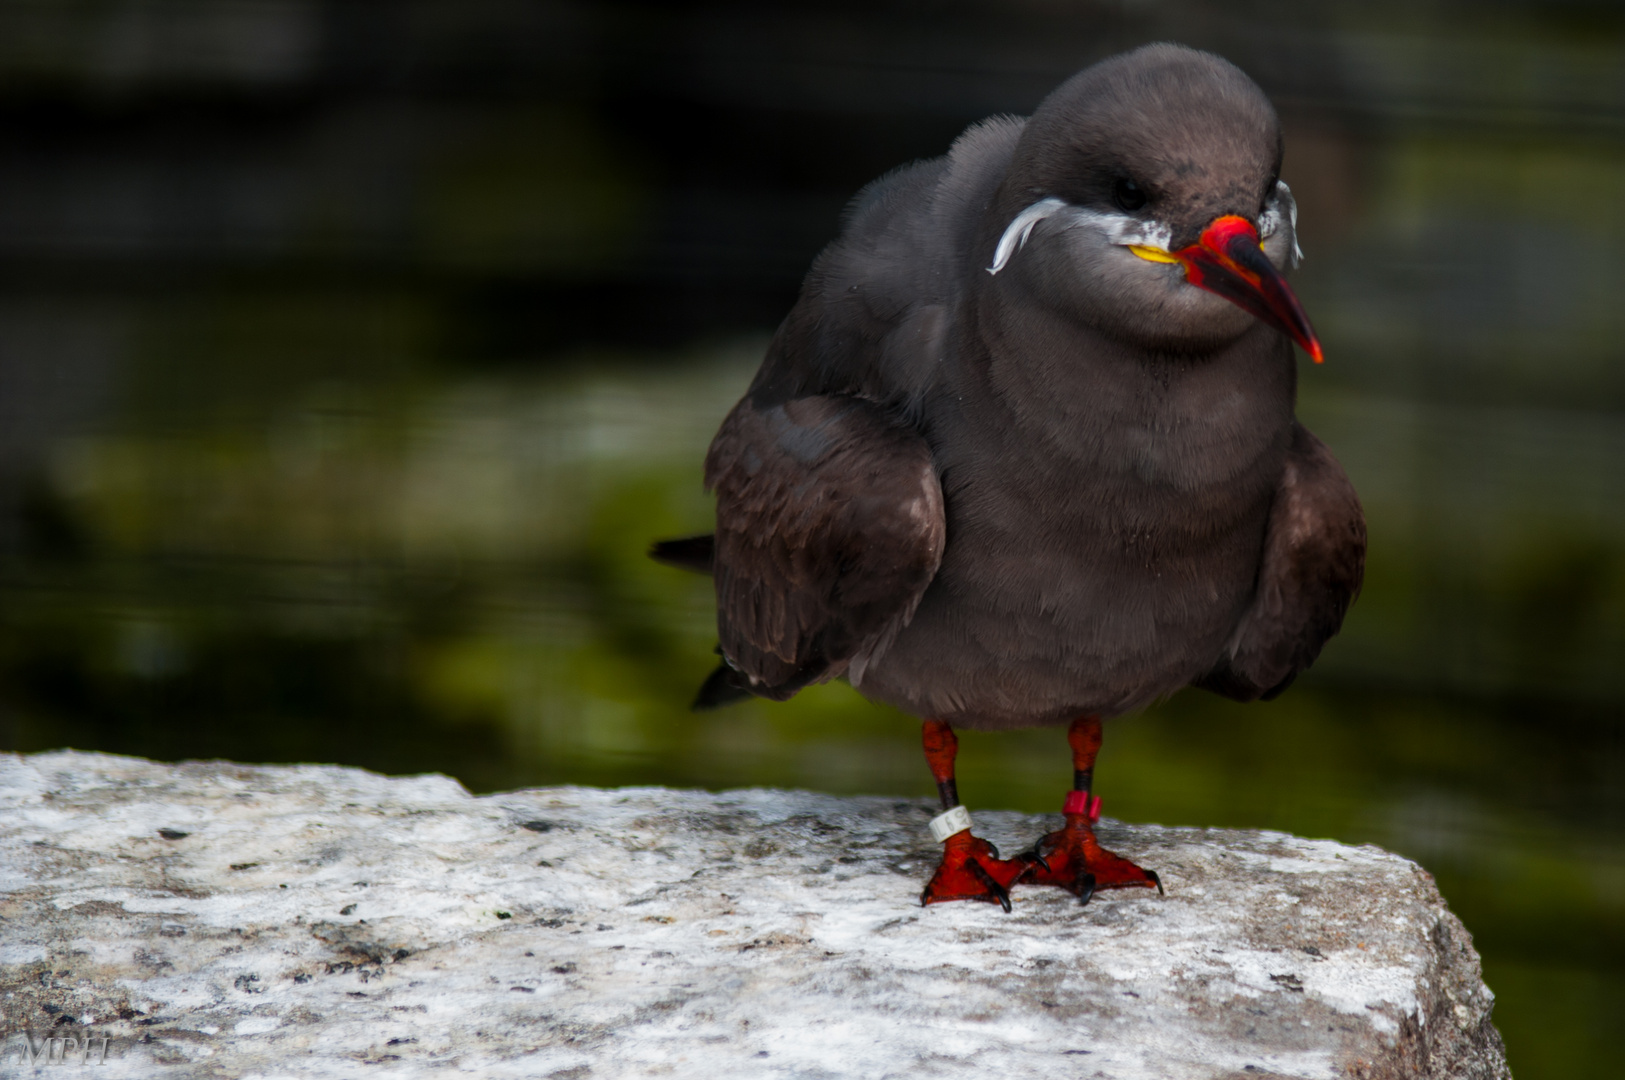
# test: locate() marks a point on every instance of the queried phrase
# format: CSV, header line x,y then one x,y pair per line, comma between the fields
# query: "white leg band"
x,y
949,822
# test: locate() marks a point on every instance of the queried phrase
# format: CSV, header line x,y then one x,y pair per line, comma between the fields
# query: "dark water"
x,y
350,358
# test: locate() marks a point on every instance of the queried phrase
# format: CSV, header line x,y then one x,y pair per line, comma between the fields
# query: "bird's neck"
x,y
1067,393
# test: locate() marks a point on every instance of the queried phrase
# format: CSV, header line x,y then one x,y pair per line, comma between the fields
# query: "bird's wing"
x,y
1314,561
829,528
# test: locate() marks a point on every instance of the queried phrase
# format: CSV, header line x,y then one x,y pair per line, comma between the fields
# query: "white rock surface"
x,y
320,921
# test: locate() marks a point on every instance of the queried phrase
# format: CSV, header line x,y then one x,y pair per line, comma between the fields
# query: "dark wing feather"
x,y
829,528
1314,561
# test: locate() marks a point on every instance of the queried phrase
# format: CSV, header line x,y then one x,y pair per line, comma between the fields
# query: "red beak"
x,y
1227,261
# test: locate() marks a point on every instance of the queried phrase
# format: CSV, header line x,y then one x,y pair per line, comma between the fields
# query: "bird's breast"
x,y
1099,551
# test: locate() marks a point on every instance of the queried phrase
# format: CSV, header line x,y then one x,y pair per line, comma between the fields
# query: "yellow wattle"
x,y
1151,254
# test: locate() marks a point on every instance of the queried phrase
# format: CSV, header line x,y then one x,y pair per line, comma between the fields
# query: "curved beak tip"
x,y
1229,261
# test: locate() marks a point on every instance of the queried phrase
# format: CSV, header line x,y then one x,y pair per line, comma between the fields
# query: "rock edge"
x,y
214,919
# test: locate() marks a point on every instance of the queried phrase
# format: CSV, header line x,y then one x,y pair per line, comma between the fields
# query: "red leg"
x,y
1071,857
971,868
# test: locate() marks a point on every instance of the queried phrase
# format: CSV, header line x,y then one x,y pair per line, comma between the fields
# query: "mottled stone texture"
x,y
223,920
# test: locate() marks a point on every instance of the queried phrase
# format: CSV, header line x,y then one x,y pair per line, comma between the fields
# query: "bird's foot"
x,y
1072,858
971,869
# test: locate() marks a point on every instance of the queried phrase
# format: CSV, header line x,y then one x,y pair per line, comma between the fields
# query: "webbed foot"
x,y
972,870
1073,859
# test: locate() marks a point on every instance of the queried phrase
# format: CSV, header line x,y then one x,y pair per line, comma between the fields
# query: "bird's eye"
x,y
1128,195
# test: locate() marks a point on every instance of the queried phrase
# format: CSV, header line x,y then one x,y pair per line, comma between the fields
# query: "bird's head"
x,y
1144,198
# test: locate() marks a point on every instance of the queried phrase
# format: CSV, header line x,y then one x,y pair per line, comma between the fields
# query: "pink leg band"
x,y
1079,802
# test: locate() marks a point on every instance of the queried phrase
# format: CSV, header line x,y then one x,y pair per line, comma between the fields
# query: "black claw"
x,y
1039,859
1000,893
1086,888
1155,880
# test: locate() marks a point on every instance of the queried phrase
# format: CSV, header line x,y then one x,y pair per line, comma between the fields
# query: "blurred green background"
x,y
352,353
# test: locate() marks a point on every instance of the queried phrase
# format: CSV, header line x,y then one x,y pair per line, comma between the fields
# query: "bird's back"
x,y
876,308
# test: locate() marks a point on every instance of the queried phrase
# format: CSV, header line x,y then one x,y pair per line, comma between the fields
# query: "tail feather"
x,y
725,686
696,553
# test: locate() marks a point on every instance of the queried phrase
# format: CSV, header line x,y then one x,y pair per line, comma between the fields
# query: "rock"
x,y
211,919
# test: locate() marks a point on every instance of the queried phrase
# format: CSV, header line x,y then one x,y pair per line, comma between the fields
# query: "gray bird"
x,y
1024,451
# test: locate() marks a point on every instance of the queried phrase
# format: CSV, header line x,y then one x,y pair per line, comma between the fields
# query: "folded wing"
x,y
1314,562
829,529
